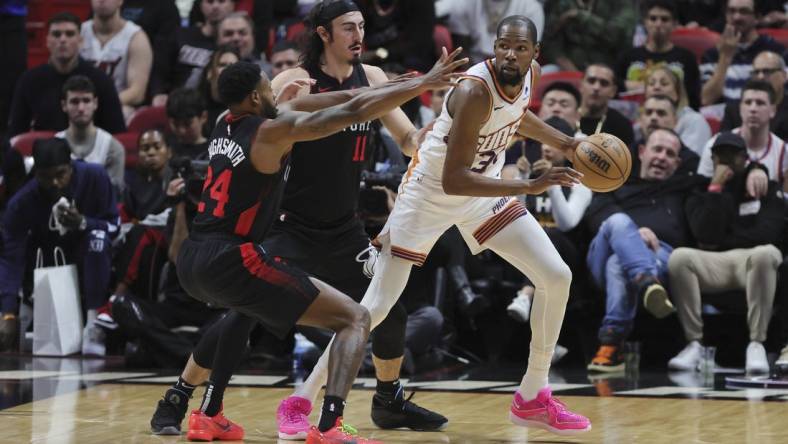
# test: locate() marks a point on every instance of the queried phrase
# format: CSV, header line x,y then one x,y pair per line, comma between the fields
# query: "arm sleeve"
x,y
106,217
14,234
568,213
109,115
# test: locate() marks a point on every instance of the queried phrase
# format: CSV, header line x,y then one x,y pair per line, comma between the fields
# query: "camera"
x,y
192,172
374,202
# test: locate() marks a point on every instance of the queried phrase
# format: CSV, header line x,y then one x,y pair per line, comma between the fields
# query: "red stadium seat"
x,y
781,35
573,77
148,117
23,143
714,124
129,142
697,40
442,37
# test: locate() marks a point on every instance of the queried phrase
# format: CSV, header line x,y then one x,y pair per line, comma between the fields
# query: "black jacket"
x,y
731,219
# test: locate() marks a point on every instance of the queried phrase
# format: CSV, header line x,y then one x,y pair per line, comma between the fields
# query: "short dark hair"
x,y
64,17
237,81
664,98
566,87
668,5
520,21
78,83
601,65
185,103
759,85
284,45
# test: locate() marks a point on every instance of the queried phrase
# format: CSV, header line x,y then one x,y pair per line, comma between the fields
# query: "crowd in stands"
x,y
104,147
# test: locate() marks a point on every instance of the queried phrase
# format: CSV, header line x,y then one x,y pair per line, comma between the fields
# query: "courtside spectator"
x,y
88,142
36,104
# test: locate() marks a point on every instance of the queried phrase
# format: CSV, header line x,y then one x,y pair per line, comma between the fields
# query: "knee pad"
x,y
388,341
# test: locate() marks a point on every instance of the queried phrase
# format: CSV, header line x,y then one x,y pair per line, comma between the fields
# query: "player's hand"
x,y
291,90
443,75
651,239
722,174
524,166
403,77
563,176
757,183
729,41
540,166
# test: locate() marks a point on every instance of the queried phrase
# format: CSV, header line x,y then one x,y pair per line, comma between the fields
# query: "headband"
x,y
333,10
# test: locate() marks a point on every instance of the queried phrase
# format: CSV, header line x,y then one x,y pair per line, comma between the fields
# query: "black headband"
x,y
51,152
333,10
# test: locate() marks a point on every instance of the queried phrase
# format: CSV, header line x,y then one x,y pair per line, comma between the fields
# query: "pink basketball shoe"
x,y
292,416
548,413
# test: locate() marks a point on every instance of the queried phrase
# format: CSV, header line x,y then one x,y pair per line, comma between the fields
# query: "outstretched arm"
x,y
533,127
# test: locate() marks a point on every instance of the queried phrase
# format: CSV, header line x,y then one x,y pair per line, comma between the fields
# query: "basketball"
x,y
605,162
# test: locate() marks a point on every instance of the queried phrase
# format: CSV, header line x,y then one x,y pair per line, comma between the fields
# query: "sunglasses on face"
x,y
57,34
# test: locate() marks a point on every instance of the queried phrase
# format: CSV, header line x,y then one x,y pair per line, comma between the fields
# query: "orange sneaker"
x,y
207,428
608,359
341,433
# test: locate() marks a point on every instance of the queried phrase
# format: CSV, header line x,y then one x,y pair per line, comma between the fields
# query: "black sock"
x,y
184,387
389,389
212,399
333,408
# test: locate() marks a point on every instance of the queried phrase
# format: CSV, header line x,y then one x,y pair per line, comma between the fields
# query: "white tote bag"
x,y
57,312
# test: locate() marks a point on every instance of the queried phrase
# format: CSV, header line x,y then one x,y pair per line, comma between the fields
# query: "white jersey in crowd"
x,y
773,157
495,135
112,57
100,151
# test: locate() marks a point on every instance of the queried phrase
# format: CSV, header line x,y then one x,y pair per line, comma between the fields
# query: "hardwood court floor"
x,y
119,413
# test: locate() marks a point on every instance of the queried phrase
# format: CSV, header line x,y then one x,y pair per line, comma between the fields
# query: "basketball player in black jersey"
x,y
222,262
318,231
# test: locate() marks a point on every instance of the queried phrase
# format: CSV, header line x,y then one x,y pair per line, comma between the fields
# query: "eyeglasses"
x,y
285,63
765,71
56,34
740,11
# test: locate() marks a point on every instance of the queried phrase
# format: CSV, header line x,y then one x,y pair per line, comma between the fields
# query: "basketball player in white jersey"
x,y
120,48
454,179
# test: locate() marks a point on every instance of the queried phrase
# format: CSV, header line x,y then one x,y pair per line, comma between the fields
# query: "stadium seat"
x,y
129,142
697,40
714,124
442,37
573,77
781,35
148,117
23,143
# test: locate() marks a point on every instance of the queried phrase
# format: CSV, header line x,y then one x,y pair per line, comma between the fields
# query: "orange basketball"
x,y
605,162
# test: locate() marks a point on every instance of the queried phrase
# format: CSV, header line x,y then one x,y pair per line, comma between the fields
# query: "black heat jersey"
x,y
324,181
236,198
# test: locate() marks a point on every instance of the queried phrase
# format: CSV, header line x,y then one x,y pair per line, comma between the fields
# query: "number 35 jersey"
x,y
236,198
502,120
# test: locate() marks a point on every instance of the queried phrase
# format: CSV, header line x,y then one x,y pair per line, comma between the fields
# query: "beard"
x,y
508,78
269,111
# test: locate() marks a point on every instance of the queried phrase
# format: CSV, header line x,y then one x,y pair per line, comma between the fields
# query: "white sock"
x,y
91,316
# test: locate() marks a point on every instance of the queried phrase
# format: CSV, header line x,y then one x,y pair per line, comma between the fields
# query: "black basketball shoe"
x,y
169,413
398,412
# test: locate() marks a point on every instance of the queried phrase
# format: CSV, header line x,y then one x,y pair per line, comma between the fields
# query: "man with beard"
x,y
597,89
634,66
68,204
727,67
318,228
232,219
454,179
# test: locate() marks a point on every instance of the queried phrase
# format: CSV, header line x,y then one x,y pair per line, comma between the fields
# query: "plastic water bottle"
x,y
301,347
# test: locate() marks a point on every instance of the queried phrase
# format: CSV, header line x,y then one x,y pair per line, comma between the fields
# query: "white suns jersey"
x,y
495,135
113,56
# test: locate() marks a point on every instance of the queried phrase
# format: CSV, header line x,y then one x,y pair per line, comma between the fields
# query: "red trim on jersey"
x,y
246,219
257,267
230,118
493,225
413,256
